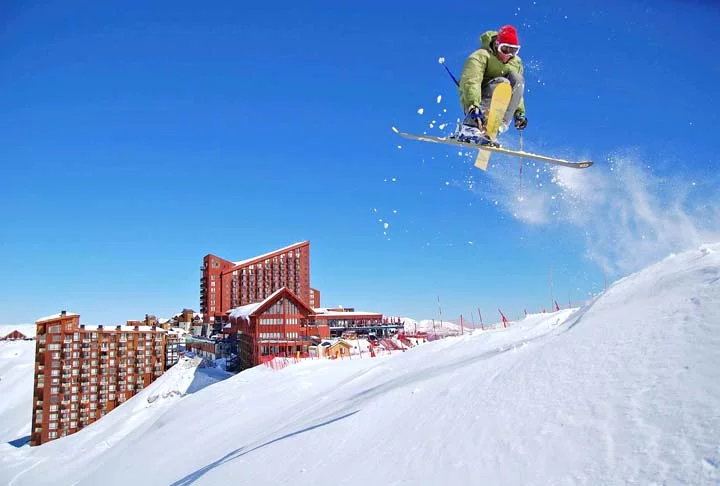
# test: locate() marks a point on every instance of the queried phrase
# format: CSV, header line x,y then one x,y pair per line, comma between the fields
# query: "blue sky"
x,y
136,137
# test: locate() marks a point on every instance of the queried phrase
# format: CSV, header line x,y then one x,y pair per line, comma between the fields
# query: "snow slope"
x,y
624,390
17,364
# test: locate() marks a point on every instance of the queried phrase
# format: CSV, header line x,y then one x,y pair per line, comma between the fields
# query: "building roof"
x,y
329,343
57,316
244,311
27,329
15,331
325,312
265,255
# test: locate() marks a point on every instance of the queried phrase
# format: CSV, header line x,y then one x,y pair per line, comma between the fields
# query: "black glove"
x,y
520,122
474,117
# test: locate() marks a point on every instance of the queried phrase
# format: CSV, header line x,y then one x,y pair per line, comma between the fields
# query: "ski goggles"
x,y
509,49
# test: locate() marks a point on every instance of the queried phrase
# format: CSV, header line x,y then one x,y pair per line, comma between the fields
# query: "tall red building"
x,y
225,285
83,372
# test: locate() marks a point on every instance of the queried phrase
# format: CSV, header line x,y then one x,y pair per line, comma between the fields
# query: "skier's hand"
x,y
520,122
474,115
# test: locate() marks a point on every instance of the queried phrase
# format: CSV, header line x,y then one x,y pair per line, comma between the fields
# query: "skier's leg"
x,y
488,87
517,81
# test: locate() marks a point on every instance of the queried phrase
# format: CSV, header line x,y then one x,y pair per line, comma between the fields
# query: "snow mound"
x,y
187,376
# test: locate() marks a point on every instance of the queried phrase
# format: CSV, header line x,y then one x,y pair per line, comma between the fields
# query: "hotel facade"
x,y
225,285
84,372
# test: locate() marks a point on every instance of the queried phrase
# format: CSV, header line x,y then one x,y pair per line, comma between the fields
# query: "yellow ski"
x,y
498,106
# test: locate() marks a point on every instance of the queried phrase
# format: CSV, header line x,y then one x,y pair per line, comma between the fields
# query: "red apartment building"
x,y
225,285
280,325
83,372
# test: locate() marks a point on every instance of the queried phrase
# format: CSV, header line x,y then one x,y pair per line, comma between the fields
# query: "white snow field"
x,y
17,364
624,390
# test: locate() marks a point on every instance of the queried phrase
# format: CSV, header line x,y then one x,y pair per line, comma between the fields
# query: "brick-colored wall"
x,y
82,374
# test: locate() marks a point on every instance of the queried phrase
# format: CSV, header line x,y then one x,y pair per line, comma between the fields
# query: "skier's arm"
x,y
471,79
520,111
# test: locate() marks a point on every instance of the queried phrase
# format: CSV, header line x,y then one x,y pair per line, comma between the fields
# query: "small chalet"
x,y
337,349
15,336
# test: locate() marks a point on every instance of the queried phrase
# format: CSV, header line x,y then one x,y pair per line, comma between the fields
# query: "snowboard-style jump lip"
x,y
517,153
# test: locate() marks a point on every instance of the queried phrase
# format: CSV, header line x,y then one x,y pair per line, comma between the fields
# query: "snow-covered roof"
x,y
325,312
57,316
26,329
265,255
244,311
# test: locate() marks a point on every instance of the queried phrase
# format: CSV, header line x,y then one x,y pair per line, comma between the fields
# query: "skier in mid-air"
x,y
496,62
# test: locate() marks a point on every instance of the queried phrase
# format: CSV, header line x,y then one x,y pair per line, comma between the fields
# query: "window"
x,y
52,435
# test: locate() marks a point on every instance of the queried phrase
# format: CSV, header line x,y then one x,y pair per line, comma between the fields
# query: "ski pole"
x,y
442,61
521,161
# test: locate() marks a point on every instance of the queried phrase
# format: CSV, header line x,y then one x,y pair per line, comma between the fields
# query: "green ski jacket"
x,y
484,64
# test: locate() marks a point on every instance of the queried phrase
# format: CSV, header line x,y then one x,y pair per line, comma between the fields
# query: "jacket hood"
x,y
486,38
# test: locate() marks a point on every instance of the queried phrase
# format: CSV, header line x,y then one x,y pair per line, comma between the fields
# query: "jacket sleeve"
x,y
470,88
521,106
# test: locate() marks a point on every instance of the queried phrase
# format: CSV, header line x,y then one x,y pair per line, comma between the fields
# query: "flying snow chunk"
x,y
421,111
439,98
441,60
386,225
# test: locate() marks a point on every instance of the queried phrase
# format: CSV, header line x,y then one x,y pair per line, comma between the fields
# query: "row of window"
x,y
278,335
54,331
279,320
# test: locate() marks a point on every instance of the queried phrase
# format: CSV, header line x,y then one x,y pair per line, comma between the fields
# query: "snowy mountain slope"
x,y
17,363
623,390
118,429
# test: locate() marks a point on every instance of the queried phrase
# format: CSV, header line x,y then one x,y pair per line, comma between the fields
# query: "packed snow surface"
x,y
623,390
17,365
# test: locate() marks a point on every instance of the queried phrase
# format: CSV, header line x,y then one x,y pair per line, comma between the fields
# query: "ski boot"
x,y
474,135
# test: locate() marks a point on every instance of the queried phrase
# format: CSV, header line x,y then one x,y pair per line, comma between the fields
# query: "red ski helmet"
x,y
507,44
508,35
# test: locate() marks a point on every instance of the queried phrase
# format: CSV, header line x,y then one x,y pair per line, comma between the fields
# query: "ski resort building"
x,y
341,320
15,336
83,372
281,325
225,285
